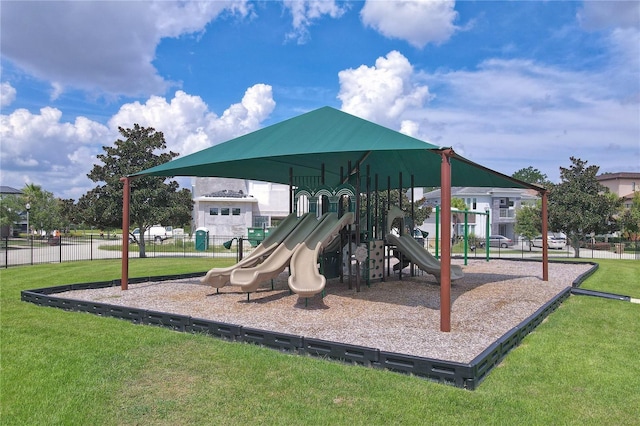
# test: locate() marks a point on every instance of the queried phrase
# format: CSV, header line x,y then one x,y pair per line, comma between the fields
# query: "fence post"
x,y
31,249
60,249
6,252
90,246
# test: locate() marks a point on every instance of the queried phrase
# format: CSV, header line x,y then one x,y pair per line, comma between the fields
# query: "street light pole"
x,y
28,206
29,240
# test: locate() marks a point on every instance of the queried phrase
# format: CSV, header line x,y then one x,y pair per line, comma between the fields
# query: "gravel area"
x,y
397,316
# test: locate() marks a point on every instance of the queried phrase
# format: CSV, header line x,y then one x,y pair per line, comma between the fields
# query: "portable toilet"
x,y
202,239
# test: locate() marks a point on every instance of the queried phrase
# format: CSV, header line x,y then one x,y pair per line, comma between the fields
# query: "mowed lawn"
x,y
580,366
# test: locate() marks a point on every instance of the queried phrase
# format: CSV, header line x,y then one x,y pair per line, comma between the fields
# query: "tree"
x,y
531,175
153,201
420,211
10,208
44,212
68,213
579,205
630,219
529,222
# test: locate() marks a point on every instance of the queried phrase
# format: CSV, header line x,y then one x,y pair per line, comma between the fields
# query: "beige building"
x,y
624,184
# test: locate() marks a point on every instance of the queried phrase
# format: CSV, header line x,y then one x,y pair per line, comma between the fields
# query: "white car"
x,y
553,241
155,233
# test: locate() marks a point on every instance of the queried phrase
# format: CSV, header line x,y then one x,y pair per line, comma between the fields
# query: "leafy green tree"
x,y
532,175
458,203
10,209
420,211
68,213
44,212
529,222
630,219
153,201
579,205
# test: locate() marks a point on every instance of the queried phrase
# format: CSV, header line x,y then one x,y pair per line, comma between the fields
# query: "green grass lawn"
x,y
580,366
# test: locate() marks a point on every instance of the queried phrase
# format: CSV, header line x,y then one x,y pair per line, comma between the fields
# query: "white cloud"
x,y
7,94
598,15
304,12
44,149
188,125
506,113
419,22
103,47
38,148
381,93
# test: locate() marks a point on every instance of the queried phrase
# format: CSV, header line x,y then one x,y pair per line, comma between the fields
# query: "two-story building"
x,y
228,207
500,203
624,184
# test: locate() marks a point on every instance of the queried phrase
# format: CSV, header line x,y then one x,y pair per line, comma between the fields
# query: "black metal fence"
x,y
23,251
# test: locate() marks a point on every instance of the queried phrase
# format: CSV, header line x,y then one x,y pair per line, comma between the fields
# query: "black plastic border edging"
x,y
467,376
584,292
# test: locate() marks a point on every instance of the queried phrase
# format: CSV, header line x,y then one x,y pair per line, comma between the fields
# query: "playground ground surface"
x,y
401,316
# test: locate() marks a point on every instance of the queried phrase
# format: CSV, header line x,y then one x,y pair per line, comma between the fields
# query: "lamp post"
x,y
28,207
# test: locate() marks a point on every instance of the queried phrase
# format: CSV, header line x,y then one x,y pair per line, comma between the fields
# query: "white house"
x,y
500,203
228,207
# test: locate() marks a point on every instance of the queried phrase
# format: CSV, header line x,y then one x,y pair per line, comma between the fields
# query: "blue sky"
x,y
506,84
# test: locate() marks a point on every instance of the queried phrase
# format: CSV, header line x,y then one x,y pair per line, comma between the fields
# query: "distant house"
x,y
624,184
500,203
229,207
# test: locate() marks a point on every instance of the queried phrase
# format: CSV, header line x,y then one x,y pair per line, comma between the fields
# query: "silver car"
x,y
553,241
498,241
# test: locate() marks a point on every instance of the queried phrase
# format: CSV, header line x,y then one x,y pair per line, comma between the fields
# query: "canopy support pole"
x,y
545,244
445,260
126,192
401,227
291,196
358,224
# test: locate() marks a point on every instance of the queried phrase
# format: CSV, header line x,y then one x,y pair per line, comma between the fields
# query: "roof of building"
x,y
619,175
227,193
9,190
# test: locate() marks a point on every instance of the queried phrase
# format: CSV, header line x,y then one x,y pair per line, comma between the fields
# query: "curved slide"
x,y
410,248
219,277
248,279
305,279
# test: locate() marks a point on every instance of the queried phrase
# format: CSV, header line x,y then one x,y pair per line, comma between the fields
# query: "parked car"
x,y
498,241
157,233
554,241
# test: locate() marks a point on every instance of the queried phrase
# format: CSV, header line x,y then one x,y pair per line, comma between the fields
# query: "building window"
x,y
224,211
213,211
260,221
235,212
475,204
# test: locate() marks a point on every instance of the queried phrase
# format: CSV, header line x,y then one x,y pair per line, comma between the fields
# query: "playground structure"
x,y
299,244
219,277
327,151
409,247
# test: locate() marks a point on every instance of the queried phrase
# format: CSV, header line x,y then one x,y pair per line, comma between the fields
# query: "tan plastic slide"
x,y
305,279
248,279
410,248
219,277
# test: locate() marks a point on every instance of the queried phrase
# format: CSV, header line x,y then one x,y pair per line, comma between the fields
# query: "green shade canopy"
x,y
330,140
